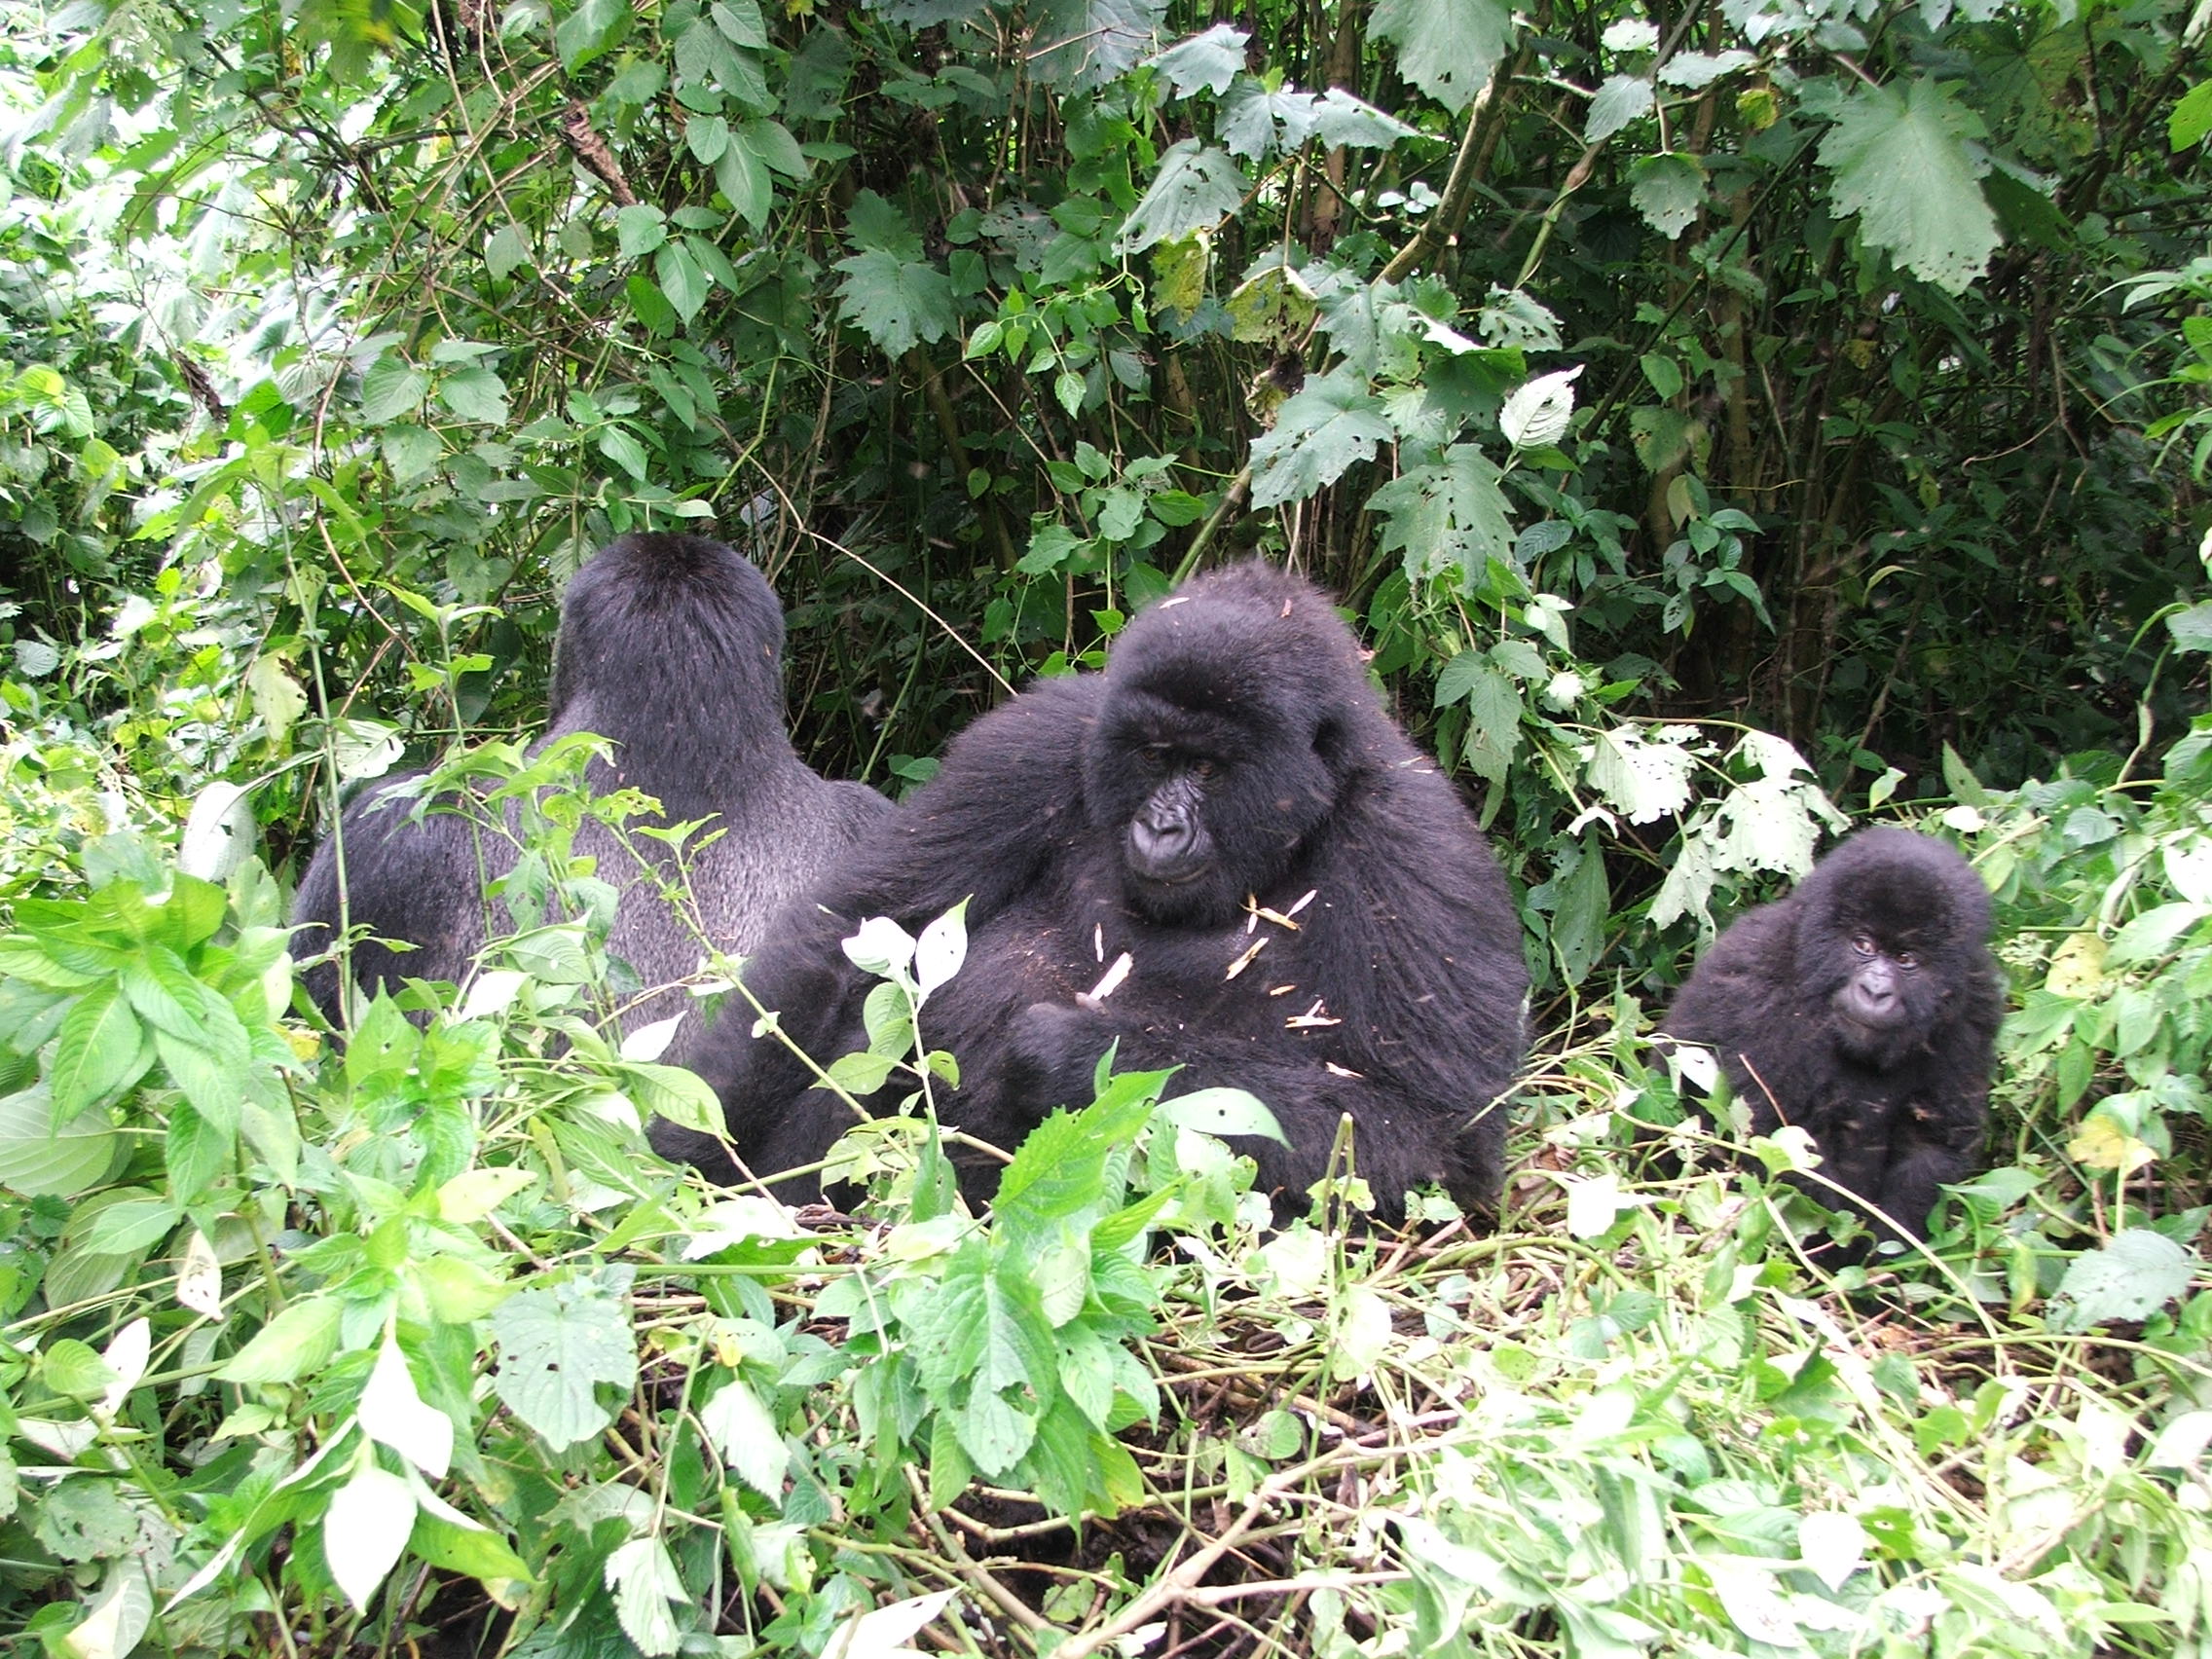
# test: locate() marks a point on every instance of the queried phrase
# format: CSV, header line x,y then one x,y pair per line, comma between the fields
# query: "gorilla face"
x,y
1207,806
1880,942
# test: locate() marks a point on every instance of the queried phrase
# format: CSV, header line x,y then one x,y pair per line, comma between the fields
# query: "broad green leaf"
x,y
116,1619
365,1530
99,1048
1196,188
476,394
643,1575
558,1345
1452,512
394,1413
1319,433
1620,100
1581,903
1642,781
639,229
1222,1112
706,136
2192,117
676,269
2131,1277
1697,70
1537,414
477,1552
296,1344
745,1436
38,1160
1493,714
1080,44
773,143
743,178
507,250
1208,60
1906,164
895,305
1668,190
1447,48
2192,629
393,388
587,31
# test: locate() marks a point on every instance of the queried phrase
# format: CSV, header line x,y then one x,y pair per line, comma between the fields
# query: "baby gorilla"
x,y
1863,1009
1305,909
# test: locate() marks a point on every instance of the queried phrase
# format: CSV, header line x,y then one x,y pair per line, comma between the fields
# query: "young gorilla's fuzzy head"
x,y
1236,710
1889,925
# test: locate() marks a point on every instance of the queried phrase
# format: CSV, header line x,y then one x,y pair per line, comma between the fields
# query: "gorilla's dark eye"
x,y
1908,959
1862,945
1152,755
1203,769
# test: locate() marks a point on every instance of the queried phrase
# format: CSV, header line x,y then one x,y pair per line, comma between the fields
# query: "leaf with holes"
x,y
1335,421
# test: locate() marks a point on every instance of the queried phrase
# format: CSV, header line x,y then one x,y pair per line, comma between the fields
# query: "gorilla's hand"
x,y
1053,1056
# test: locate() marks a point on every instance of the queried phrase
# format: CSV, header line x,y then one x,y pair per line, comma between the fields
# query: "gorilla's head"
x,y
661,626
1890,927
1236,710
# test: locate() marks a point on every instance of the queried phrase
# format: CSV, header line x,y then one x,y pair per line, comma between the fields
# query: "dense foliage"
x,y
1715,419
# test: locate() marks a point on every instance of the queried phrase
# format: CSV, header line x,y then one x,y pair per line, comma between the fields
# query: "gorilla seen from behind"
x,y
1307,908
1863,1009
671,645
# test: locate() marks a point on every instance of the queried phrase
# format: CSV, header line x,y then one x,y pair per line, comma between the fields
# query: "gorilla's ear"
x,y
1329,738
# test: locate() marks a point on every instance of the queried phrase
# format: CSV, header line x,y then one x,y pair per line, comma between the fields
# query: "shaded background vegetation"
x,y
1647,381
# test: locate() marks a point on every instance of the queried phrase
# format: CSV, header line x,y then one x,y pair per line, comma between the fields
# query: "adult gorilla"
x,y
671,645
1308,910
1863,1009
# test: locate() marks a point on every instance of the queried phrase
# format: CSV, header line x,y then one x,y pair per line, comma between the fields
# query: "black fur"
x,y
1863,1009
1078,824
671,645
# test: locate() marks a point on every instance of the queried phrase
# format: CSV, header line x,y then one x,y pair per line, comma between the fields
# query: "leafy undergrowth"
x,y
412,1346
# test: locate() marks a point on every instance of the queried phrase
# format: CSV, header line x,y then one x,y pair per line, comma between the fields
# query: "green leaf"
x,y
1196,188
558,1345
197,1149
1621,99
101,1049
38,1160
1640,779
1222,1112
773,143
1580,902
296,1344
476,394
507,250
365,1530
895,305
391,389
2192,629
1447,48
1080,44
585,32
639,229
1452,512
707,137
2192,117
685,284
1668,190
2131,1277
1319,432
479,1553
1211,61
742,177
1494,713
745,1435
1906,165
